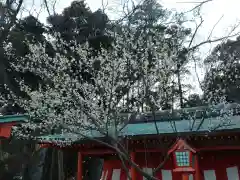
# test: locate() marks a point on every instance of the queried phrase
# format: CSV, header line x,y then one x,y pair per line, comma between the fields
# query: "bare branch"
x,y
200,4
129,14
46,4
124,166
104,6
161,164
215,27
212,41
195,32
195,69
54,7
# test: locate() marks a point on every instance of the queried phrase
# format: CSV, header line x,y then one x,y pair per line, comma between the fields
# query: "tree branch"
x,y
198,6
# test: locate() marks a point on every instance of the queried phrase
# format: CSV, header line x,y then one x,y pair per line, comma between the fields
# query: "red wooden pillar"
x,y
133,170
197,175
185,176
80,167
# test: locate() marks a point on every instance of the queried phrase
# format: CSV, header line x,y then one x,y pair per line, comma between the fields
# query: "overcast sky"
x,y
211,12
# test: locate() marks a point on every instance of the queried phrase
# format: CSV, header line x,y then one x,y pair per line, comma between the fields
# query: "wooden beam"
x,y
217,148
98,152
104,151
45,145
80,167
144,150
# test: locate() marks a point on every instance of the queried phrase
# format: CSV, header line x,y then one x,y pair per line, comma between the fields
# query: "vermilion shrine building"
x,y
8,121
205,147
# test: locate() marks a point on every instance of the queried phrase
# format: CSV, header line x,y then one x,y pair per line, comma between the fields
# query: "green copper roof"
x,y
13,118
206,119
150,128
183,126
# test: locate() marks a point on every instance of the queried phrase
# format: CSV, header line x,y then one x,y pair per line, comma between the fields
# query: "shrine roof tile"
x,y
189,120
183,126
150,128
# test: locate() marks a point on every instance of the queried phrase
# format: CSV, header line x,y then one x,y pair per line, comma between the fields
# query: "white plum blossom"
x,y
68,101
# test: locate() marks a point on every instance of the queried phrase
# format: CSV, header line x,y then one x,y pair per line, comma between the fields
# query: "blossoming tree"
x,y
86,91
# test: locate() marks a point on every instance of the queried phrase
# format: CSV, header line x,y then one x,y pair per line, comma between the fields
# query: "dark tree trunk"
x,y
93,169
34,171
180,89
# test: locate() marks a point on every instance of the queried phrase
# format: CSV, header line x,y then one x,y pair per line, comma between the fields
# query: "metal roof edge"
x,y
14,118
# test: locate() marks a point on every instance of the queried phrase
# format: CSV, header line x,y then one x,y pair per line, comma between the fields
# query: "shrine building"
x,y
201,143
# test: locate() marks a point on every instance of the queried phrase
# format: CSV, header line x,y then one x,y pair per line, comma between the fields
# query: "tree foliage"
x,y
222,79
90,85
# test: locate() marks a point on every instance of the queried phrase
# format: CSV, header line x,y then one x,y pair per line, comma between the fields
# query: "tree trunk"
x,y
60,165
34,170
93,169
180,89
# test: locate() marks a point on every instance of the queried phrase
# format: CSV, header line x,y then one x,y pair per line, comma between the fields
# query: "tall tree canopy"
x,y
223,78
76,23
80,77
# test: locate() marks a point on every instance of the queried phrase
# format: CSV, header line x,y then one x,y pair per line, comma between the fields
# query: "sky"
x,y
224,10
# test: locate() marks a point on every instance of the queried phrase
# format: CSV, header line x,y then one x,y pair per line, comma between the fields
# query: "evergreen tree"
x,y
223,78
